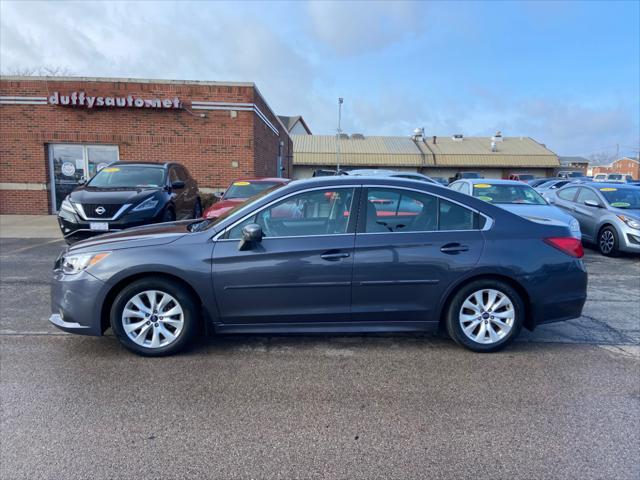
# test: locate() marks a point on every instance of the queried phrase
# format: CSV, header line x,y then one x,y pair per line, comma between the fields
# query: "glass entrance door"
x,y
71,164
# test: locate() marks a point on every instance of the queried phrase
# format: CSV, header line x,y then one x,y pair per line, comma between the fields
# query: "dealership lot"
x,y
563,401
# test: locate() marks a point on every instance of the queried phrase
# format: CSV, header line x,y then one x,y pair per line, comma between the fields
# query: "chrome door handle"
x,y
454,248
334,256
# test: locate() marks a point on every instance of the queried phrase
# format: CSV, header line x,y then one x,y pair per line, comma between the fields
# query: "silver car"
x,y
518,198
609,214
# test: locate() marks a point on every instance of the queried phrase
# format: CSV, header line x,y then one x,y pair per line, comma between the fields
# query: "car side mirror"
x,y
177,185
251,234
82,181
592,203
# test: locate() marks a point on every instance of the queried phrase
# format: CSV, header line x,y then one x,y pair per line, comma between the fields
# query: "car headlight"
x,y
67,206
632,222
148,204
72,264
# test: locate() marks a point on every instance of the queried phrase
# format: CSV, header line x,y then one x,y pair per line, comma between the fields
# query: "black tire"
x,y
197,209
169,215
453,323
190,316
608,242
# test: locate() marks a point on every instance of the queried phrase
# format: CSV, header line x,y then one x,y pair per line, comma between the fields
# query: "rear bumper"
x,y
557,296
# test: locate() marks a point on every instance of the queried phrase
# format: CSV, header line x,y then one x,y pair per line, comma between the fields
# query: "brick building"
x,y
626,166
55,131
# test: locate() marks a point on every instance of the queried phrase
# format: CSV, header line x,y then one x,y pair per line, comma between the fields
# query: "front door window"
x,y
70,164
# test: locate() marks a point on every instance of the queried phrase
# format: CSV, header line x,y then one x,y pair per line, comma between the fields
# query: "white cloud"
x,y
351,27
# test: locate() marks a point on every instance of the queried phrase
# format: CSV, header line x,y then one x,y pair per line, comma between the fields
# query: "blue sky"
x,y
564,73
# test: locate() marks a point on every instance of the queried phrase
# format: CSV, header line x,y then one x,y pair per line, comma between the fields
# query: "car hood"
x,y
631,212
222,206
145,236
86,194
545,214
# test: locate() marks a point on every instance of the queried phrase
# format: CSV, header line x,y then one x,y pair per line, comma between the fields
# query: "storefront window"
x,y
71,164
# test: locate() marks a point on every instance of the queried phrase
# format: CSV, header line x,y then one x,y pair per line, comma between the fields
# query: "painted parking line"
x,y
24,249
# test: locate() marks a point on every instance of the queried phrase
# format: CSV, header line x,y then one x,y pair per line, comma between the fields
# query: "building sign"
x,y
80,99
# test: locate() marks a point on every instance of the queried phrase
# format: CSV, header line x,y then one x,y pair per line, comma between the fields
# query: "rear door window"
x,y
454,217
568,193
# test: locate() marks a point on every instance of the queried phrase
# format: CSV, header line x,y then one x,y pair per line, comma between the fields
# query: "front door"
x,y
69,165
300,272
410,246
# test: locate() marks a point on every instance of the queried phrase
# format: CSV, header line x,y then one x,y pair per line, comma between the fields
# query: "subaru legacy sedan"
x,y
328,254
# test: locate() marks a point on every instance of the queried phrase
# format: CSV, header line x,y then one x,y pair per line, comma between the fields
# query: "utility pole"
x,y
339,132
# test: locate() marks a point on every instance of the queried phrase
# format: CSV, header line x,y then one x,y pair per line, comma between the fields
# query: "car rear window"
x,y
507,194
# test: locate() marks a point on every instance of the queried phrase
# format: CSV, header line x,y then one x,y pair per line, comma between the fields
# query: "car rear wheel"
x,y
608,242
485,315
154,317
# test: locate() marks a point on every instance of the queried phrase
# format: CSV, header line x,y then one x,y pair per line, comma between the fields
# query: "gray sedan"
x,y
518,198
609,214
330,254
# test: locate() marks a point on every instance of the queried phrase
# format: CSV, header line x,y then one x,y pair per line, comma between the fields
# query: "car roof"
x,y
262,179
602,184
495,181
145,164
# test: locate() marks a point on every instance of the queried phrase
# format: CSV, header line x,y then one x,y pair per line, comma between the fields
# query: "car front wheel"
x,y
485,315
608,242
154,317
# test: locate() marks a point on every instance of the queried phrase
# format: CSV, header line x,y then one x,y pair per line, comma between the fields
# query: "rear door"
x,y
587,216
406,258
301,271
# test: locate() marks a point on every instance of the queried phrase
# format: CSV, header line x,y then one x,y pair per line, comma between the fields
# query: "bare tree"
x,y
43,71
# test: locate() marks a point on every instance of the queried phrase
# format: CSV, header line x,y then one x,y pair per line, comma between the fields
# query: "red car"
x,y
239,191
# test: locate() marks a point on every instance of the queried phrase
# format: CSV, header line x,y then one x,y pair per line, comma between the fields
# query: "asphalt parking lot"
x,y
562,402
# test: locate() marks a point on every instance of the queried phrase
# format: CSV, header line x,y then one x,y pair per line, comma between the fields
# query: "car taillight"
x,y
569,245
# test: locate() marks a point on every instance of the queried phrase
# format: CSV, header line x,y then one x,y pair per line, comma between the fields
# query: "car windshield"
x,y
128,176
471,175
210,222
621,197
247,189
507,193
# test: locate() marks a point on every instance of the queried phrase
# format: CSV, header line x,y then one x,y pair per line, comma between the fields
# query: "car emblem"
x,y
100,210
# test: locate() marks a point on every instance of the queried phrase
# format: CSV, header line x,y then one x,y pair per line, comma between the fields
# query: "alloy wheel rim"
x,y
606,241
153,319
487,316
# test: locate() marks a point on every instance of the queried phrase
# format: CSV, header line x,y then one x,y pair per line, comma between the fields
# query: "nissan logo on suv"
x,y
100,210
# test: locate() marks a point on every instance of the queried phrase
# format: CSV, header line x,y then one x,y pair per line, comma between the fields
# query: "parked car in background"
x,y
609,214
328,262
390,173
619,178
239,191
441,180
321,172
518,198
600,177
460,175
570,174
538,181
546,189
521,177
129,194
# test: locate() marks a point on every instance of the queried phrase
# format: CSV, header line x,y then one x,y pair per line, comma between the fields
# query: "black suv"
x,y
129,194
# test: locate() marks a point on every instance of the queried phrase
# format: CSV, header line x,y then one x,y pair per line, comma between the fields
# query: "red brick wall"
x,y
26,202
625,166
206,146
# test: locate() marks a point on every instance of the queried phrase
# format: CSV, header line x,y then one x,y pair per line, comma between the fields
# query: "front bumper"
x,y
629,239
74,228
76,302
